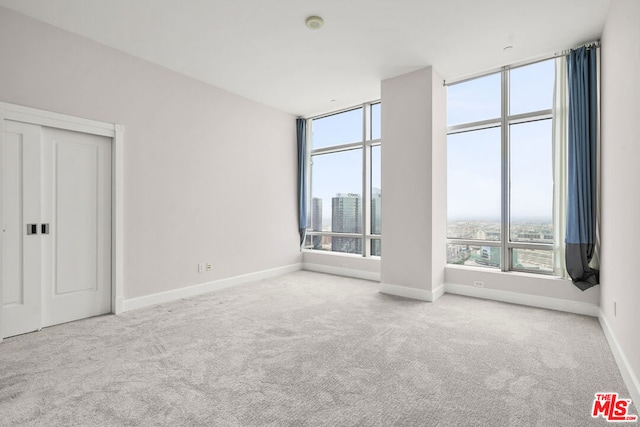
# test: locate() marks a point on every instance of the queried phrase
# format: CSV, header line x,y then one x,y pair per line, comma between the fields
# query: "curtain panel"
x,y
301,134
580,239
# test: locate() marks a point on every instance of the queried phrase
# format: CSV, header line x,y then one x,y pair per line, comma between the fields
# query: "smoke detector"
x,y
314,22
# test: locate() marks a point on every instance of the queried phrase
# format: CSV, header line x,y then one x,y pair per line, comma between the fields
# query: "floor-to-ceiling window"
x,y
500,170
346,194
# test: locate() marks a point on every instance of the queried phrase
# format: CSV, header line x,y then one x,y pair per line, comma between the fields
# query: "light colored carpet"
x,y
308,349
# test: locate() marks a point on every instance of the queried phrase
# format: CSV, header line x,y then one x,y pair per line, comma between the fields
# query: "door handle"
x,y
32,229
44,229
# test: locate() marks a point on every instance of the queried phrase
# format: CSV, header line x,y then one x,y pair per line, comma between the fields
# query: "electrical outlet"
x,y
478,283
209,266
200,267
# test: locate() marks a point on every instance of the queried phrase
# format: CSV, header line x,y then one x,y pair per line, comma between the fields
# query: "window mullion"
x,y
505,261
469,127
366,180
309,175
337,148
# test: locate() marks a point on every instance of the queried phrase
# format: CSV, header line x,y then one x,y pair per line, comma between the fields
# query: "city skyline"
x,y
341,172
487,251
346,217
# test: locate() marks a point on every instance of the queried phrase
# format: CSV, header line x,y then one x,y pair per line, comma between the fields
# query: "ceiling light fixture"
x,y
314,22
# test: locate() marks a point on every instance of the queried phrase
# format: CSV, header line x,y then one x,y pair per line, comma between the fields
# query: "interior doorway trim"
x,y
114,131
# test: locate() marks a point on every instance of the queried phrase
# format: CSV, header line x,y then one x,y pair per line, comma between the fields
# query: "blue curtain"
x,y
301,128
580,239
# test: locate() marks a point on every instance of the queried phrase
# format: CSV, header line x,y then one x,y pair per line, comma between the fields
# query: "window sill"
x,y
541,276
339,254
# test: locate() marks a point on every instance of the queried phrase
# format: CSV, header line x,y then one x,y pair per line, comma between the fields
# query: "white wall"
x,y
342,264
209,176
523,288
414,183
620,56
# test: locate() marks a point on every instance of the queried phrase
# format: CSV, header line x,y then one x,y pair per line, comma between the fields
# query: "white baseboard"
x,y
524,299
629,377
118,305
406,292
438,292
341,271
203,288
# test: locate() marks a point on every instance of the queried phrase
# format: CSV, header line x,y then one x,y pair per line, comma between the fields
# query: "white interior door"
x,y
59,182
77,206
21,208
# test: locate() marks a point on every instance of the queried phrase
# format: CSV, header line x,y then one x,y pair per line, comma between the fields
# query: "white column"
x,y
414,173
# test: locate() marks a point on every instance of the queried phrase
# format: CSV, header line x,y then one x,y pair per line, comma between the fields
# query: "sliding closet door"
x,y
56,227
77,208
21,244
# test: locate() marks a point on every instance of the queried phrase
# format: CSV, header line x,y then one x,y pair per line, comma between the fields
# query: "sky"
x,y
473,158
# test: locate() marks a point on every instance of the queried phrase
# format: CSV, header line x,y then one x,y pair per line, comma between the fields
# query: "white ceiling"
x,y
261,49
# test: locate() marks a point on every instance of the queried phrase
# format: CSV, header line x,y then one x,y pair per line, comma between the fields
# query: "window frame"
x,y
366,144
504,122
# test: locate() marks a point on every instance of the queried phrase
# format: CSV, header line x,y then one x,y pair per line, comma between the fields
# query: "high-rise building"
x,y
376,220
489,256
316,221
346,218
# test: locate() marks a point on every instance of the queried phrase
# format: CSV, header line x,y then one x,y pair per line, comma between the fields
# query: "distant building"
x,y
376,220
316,221
346,218
489,256
457,254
